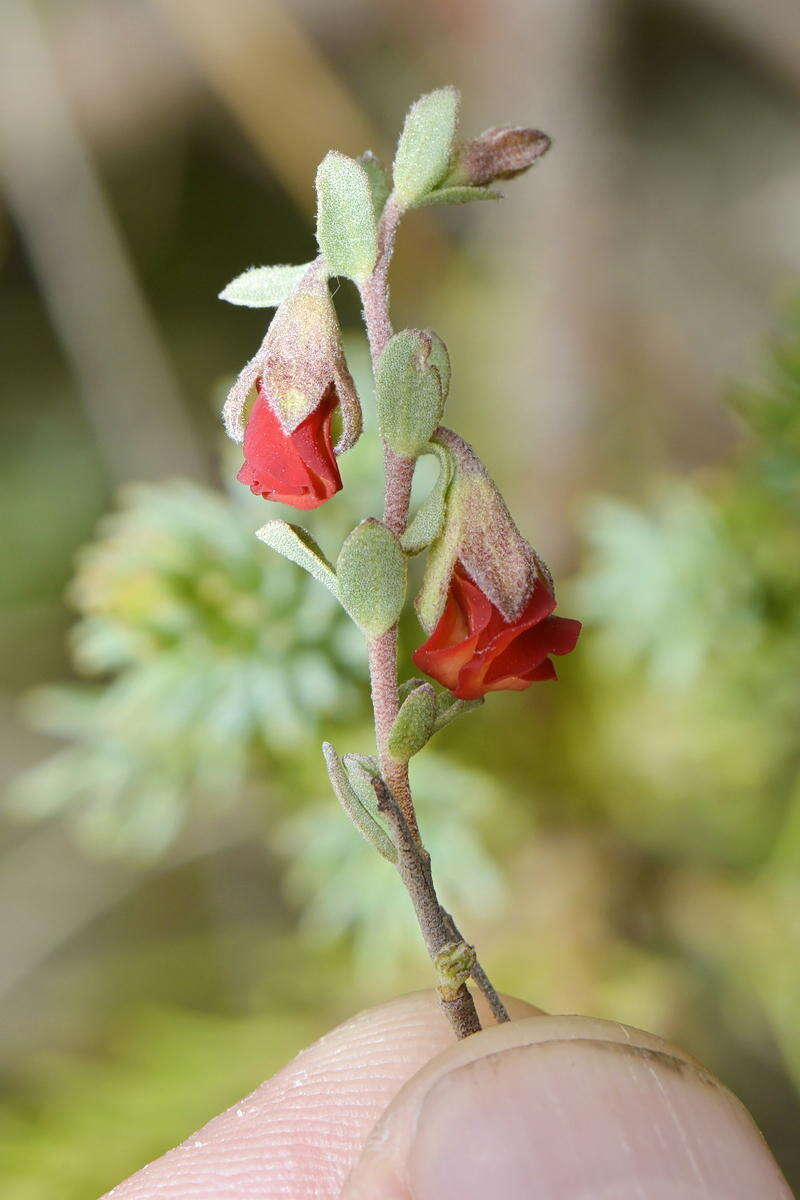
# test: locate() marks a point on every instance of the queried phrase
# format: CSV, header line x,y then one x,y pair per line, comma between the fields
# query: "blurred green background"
x,y
175,878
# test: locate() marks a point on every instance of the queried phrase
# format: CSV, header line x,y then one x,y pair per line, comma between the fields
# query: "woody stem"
x,y
446,948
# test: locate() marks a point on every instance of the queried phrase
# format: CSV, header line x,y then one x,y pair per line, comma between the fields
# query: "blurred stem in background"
x,y
84,271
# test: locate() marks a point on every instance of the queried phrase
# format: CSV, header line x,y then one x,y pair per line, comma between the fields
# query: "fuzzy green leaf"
x,y
371,571
379,183
347,230
363,820
425,149
426,524
263,287
414,723
411,385
457,195
361,770
296,544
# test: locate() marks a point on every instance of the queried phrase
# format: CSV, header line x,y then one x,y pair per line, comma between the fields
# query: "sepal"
x,y
480,532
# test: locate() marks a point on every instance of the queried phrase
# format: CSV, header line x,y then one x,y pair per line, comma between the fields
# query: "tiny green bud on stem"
x,y
414,723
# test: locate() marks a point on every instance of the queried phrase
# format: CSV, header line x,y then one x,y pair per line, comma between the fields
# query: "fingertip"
x,y
300,1132
567,1108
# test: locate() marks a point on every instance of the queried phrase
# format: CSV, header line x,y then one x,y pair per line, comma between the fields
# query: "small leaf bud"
x,y
500,153
411,385
414,723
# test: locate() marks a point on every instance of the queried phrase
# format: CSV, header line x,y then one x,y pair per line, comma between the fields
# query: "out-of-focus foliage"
x,y
87,1122
694,679
216,658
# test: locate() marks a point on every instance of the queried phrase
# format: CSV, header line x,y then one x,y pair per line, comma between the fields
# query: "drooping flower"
x,y
297,468
474,649
487,597
301,378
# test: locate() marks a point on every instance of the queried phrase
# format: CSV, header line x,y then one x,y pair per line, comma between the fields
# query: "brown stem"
x,y
499,1010
414,868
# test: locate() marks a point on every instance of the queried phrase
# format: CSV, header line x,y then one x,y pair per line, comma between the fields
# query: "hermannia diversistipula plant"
x,y
486,599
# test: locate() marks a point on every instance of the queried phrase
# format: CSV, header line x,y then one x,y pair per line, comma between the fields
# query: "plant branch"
x,y
452,957
499,1010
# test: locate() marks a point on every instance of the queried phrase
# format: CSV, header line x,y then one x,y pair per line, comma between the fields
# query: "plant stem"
x,y
414,868
453,959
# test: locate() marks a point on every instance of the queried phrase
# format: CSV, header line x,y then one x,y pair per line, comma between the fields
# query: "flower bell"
x,y
301,377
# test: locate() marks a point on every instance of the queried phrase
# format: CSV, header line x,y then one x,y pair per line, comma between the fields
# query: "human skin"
x,y
388,1107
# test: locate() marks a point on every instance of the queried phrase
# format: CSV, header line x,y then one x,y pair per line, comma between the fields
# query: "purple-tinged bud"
x,y
500,153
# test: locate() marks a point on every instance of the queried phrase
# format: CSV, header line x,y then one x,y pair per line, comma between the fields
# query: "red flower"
x,y
297,468
474,650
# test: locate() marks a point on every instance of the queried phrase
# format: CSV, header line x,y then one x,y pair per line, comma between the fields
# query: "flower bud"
x,y
500,153
414,723
411,385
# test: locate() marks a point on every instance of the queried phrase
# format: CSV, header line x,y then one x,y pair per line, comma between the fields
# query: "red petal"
x,y
474,650
449,646
300,468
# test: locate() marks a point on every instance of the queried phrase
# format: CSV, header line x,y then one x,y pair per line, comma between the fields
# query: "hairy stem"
x,y
447,950
414,868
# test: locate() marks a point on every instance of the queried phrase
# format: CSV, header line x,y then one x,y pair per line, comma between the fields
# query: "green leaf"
x,y
379,183
363,820
426,524
296,544
263,287
361,770
426,145
411,385
347,230
457,195
371,570
414,723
